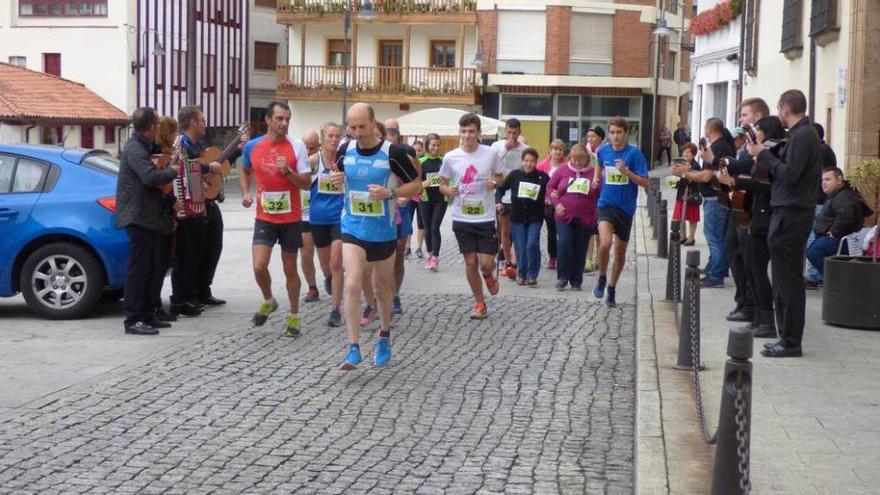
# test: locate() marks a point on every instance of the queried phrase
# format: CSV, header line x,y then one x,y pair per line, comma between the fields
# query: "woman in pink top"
x,y
574,191
549,166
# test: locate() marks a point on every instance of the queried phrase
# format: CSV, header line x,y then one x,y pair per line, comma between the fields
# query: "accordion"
x,y
189,190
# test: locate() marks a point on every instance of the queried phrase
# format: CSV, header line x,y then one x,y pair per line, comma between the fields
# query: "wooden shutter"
x,y
791,25
750,25
52,64
265,55
823,17
87,136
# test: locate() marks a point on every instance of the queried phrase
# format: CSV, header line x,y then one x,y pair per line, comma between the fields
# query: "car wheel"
x,y
61,281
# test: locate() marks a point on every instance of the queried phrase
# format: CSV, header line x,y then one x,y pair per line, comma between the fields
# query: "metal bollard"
x,y
651,204
662,228
732,450
655,233
673,265
689,331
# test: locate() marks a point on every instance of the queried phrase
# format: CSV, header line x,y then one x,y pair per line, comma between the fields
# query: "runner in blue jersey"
x,y
624,169
373,173
325,217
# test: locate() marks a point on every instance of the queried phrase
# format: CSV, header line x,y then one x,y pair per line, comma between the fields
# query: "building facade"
x,y
134,52
408,57
267,46
827,49
561,66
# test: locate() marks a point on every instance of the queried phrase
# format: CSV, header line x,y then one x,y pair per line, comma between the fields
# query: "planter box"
x,y
851,297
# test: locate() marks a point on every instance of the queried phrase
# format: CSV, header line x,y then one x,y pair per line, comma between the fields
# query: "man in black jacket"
x,y
795,176
841,215
139,210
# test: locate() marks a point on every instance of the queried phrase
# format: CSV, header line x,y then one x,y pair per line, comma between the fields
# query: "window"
x,y
750,23
18,61
669,65
267,3
265,55
87,137
209,72
159,63
823,21
792,44
7,166
28,176
62,8
52,64
51,135
234,75
180,69
443,53
109,134
527,105
337,54
607,106
590,43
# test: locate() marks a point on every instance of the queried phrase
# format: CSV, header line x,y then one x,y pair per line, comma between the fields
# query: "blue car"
x,y
59,246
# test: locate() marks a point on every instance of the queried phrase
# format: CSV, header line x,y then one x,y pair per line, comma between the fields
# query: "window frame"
x,y
263,45
63,12
443,42
41,185
346,50
792,42
209,73
109,134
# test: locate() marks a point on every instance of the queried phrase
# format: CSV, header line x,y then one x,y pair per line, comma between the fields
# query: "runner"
x,y
474,170
406,208
326,210
312,143
272,162
595,138
625,169
550,166
433,205
373,173
510,152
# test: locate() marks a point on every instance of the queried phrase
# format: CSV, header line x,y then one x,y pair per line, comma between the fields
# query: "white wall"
x,y
263,27
98,56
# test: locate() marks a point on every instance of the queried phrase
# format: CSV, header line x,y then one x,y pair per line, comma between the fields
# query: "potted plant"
x,y
852,283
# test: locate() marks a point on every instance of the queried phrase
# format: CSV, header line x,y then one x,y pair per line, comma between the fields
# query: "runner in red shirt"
x,y
272,162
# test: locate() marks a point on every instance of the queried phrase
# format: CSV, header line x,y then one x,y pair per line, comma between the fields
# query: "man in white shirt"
x,y
509,151
469,175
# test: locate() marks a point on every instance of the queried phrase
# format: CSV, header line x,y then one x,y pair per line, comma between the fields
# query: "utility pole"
x,y
191,48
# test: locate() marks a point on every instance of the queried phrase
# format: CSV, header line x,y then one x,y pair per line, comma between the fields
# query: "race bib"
x,y
615,177
473,208
527,190
506,197
363,206
327,187
275,202
433,180
579,186
306,199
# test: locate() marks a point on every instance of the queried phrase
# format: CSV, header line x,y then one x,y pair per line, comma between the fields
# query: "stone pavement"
x,y
538,398
815,419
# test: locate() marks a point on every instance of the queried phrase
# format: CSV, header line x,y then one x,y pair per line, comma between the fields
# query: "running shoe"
x,y
590,266
352,359
428,263
382,353
369,314
293,326
611,301
520,281
397,308
262,314
479,312
599,291
335,319
312,295
551,263
407,253
532,282
328,284
435,263
491,284
560,285
509,271
419,253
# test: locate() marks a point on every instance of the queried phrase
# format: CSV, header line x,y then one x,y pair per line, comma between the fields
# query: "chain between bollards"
x,y
662,227
731,473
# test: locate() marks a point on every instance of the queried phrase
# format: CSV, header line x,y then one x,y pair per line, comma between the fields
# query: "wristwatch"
x,y
393,193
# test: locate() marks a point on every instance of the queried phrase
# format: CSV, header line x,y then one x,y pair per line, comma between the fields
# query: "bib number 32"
x,y
275,203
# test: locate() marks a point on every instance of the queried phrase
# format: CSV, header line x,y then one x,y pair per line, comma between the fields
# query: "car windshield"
x,y
102,162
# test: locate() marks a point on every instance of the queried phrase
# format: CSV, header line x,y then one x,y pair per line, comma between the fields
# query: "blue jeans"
x,y
571,251
527,242
822,247
715,230
810,271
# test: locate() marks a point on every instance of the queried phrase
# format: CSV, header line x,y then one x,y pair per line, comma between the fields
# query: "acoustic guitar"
x,y
161,161
214,182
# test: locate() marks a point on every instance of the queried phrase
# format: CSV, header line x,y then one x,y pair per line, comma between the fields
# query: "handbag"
x,y
693,197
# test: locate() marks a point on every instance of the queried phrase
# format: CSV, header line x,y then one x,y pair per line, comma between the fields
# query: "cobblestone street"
x,y
538,398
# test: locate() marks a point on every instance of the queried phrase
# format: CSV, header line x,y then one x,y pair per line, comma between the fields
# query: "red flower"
x,y
716,18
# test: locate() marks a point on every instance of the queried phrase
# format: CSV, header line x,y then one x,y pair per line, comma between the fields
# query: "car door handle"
x,y
7,213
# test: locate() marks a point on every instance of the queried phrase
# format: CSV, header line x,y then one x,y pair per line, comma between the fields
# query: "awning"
x,y
443,121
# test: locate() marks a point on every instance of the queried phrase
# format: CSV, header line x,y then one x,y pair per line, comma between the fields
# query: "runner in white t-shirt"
x,y
509,151
469,174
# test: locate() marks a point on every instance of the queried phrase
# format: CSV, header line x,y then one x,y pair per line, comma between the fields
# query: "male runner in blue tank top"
x,y
374,173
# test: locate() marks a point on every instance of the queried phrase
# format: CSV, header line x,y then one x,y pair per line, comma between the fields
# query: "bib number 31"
x,y
362,205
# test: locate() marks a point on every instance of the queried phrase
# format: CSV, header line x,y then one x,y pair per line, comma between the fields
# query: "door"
x,y
390,71
21,182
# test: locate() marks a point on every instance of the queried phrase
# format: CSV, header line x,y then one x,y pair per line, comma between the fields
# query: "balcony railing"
x,y
388,10
378,83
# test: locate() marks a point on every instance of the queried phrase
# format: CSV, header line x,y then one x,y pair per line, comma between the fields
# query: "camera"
x,y
751,133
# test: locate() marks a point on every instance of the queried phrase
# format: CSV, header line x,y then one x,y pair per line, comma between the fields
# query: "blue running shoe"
x,y
352,359
599,291
397,308
382,354
610,300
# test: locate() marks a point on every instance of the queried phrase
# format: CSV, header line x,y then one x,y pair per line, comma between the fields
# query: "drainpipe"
x,y
27,134
740,57
811,98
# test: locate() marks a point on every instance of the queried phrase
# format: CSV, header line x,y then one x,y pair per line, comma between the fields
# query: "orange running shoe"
x,y
491,284
479,312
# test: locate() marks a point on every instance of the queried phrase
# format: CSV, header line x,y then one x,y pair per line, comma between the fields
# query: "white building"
x,y
267,45
715,75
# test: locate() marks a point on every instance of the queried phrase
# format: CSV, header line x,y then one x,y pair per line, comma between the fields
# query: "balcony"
x,y
379,84
396,11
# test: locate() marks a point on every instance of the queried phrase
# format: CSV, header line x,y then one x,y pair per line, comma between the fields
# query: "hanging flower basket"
x,y
716,18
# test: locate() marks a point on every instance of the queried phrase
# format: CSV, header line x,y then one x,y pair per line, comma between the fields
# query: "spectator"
x,y
664,139
681,136
688,198
841,215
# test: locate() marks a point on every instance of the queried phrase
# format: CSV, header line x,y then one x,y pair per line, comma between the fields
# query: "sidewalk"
x,y
815,427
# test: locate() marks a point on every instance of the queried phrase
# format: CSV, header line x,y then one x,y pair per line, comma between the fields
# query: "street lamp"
x,y
158,51
661,30
365,13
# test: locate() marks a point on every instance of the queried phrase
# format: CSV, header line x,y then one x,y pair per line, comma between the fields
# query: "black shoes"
x,y
140,328
157,323
211,301
163,315
740,314
777,350
186,309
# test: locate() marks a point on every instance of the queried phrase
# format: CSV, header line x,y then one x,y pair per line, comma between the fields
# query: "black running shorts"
x,y
476,237
376,251
620,221
288,235
324,235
